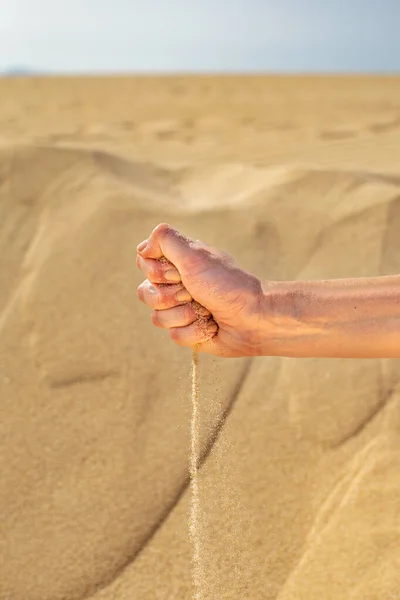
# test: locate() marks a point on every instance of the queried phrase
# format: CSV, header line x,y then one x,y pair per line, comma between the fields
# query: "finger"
x,y
199,332
162,242
158,272
165,241
178,316
162,297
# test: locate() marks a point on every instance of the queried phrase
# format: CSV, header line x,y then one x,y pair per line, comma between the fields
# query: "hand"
x,y
200,295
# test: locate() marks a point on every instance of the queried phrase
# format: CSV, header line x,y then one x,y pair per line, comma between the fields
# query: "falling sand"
x,y
203,318
194,515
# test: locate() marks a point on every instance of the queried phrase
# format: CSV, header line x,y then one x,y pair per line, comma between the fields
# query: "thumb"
x,y
165,241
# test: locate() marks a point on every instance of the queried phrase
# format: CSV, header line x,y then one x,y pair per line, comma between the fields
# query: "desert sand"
x,y
298,178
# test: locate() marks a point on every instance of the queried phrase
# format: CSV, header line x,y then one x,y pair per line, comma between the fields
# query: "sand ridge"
x,y
299,478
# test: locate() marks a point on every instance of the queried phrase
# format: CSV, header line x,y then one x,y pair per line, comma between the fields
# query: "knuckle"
x,y
153,273
174,333
162,299
162,229
139,292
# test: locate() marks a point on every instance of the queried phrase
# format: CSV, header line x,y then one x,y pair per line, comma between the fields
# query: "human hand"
x,y
200,294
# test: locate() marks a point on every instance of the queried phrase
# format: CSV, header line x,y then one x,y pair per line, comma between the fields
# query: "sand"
x,y
195,519
298,178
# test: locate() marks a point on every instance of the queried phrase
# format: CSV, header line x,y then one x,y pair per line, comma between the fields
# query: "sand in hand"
x,y
299,480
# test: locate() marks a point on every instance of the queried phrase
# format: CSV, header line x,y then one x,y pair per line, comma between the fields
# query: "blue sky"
x,y
200,35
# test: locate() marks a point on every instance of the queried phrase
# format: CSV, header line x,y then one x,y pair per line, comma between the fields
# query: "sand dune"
x,y
300,477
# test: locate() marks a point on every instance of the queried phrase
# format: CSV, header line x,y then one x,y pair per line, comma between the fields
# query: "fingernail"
x,y
183,296
172,275
142,246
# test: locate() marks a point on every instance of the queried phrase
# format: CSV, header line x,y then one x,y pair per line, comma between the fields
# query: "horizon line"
x,y
20,72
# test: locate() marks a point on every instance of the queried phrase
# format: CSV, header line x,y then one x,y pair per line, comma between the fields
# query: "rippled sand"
x,y
298,178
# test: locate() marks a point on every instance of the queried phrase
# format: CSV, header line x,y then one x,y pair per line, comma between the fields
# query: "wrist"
x,y
286,327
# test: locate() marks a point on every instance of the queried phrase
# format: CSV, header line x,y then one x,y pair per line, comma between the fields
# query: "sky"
x,y
104,36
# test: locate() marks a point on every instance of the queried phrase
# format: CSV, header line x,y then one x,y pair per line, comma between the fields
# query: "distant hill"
x,y
17,72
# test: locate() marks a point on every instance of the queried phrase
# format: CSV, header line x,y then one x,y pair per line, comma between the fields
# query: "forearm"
x,y
347,318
